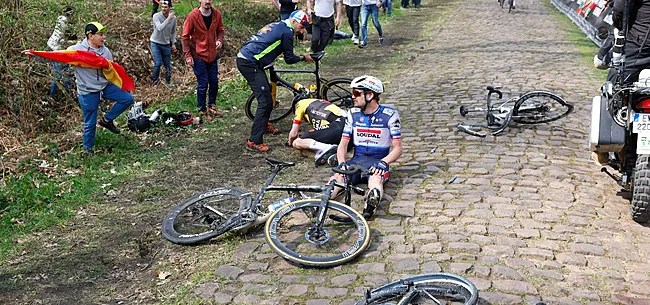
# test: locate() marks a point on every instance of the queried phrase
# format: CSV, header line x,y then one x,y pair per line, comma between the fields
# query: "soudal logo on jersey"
x,y
369,133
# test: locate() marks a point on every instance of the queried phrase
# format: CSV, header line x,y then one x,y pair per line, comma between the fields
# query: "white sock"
x,y
320,148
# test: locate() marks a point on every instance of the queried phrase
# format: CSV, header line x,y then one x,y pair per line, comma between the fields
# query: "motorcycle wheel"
x,y
640,208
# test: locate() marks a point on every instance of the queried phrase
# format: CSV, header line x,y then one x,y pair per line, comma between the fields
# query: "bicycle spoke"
x,y
211,212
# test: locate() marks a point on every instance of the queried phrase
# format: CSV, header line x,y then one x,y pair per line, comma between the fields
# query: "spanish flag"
x,y
113,72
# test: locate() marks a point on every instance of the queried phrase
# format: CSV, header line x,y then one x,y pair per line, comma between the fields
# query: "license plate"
x,y
643,143
641,123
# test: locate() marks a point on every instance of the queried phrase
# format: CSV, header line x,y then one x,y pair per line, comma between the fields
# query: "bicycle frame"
x,y
275,78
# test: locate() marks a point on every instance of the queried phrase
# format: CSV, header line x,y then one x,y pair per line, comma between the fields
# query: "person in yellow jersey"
x,y
326,122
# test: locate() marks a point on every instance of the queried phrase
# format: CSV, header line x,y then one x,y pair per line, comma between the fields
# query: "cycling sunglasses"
x,y
357,93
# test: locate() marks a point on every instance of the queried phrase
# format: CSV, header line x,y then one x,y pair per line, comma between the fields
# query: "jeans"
x,y
387,4
353,18
366,11
256,78
90,103
62,73
162,55
207,78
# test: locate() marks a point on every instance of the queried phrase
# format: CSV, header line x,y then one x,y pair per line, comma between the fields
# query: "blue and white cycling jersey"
x,y
372,134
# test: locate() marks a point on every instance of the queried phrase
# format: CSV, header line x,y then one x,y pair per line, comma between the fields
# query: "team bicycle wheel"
x,y
203,216
540,107
435,288
338,92
283,107
290,233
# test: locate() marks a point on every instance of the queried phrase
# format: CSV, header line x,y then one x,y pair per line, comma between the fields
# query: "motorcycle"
x,y
620,127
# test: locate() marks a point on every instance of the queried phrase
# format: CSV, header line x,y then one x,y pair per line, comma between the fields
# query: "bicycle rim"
x,y
540,107
203,216
435,288
282,107
338,92
288,234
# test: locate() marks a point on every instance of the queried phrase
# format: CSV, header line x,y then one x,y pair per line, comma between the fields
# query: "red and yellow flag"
x,y
113,72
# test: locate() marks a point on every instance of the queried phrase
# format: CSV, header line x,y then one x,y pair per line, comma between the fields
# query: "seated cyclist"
x,y
327,122
373,129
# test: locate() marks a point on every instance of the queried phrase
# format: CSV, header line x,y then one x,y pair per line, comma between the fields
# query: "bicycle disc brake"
x,y
244,220
317,236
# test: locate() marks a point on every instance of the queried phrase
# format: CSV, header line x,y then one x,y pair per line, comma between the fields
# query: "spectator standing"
x,y
370,8
56,42
285,7
202,39
92,85
352,10
387,5
260,50
163,41
405,4
323,22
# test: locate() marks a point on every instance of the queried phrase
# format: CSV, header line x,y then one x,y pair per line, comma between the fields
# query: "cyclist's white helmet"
x,y
368,82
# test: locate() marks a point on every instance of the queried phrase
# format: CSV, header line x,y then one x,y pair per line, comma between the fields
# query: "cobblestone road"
x,y
527,218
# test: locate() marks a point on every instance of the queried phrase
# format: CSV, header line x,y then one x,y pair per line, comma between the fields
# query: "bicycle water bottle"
x,y
278,204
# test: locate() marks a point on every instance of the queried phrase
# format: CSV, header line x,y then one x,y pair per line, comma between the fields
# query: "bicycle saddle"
x,y
495,87
317,56
276,162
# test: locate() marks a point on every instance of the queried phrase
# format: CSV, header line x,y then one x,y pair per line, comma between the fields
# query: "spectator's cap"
x,y
94,28
300,16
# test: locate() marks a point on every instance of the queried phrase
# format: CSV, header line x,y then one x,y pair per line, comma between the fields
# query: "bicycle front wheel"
x,y
338,92
203,216
291,232
284,98
540,107
434,288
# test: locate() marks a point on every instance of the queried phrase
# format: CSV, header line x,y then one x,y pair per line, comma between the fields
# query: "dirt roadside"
x,y
112,251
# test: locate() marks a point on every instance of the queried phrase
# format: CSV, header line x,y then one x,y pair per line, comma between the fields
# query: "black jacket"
x,y
639,19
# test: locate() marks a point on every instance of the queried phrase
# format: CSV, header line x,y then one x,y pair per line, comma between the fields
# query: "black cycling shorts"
x,y
330,135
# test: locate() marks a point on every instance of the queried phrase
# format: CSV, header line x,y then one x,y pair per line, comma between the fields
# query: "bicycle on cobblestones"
x,y
307,231
286,94
434,288
533,107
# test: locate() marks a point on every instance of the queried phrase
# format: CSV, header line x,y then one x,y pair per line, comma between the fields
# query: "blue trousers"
x,y
64,74
207,78
367,11
387,5
162,55
90,103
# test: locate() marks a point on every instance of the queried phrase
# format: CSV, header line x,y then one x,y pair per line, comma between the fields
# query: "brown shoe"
x,y
257,147
206,114
215,113
272,130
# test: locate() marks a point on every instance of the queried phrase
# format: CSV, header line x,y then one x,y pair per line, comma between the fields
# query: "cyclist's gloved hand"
x,y
380,168
343,166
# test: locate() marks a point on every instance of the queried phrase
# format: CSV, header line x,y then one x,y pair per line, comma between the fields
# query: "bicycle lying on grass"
x,y
286,94
311,232
533,107
434,288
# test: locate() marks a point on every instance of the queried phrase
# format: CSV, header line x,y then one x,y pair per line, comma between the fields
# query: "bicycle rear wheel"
x,y
435,288
203,216
290,233
540,107
338,92
284,104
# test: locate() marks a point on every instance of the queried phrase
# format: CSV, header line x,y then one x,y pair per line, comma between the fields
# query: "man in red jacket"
x,y
202,38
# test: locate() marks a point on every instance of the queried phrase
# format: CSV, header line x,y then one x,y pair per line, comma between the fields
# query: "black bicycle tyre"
x,y
532,94
271,235
343,101
396,290
285,97
170,232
